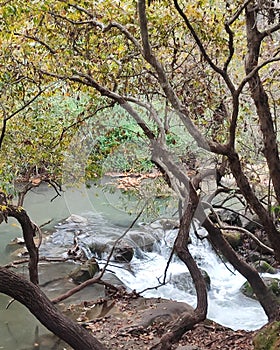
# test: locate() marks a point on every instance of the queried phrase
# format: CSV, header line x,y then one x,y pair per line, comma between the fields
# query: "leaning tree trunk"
x,y
41,307
270,149
28,231
260,97
188,320
266,298
245,188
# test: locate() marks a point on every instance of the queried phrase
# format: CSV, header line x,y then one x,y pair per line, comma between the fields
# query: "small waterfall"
x,y
227,305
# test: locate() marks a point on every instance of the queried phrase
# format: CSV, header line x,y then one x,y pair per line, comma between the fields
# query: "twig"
x,y
46,223
9,303
42,258
121,237
244,231
163,283
97,278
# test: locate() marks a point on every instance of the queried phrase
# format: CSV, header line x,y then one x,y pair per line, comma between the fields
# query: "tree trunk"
x,y
259,95
28,231
266,298
264,216
40,306
188,320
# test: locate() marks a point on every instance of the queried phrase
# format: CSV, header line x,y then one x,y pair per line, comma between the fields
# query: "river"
x,y
104,219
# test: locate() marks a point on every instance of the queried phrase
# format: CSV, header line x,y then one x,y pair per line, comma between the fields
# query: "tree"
x,y
187,58
34,299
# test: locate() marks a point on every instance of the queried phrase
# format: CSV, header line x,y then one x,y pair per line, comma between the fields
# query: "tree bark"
x,y
28,231
188,320
264,216
40,306
260,97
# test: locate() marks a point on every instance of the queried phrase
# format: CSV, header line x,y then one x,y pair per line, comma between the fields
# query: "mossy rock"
x,y
268,338
273,284
233,237
263,266
85,271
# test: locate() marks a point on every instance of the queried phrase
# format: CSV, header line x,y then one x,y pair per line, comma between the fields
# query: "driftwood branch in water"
x,y
69,293
31,296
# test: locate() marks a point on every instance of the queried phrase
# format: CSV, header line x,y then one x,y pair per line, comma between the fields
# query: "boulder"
x,y
123,253
272,283
17,249
234,238
263,266
77,219
183,281
154,311
228,217
144,240
253,225
98,248
231,218
267,338
85,271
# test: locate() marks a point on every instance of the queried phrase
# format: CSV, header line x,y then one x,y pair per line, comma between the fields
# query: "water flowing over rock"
x,y
152,245
183,281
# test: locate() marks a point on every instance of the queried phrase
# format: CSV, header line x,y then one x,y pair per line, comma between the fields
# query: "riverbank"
x,y
130,332
125,321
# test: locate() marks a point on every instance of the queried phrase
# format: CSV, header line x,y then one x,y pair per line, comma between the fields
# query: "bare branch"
x,y
87,79
43,43
254,71
7,118
238,12
120,238
228,23
243,231
80,121
230,46
270,31
180,109
69,293
94,22
203,50
98,277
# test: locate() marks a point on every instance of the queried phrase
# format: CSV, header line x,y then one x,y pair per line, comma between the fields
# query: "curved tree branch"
x,y
40,306
10,116
255,71
28,230
203,51
187,321
260,98
243,231
180,109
